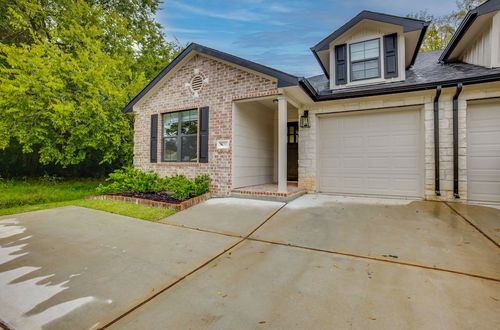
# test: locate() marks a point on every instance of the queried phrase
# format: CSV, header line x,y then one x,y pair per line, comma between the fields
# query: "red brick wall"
x,y
225,84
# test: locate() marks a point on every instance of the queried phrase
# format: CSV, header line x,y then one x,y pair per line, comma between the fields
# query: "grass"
x,y
19,196
38,191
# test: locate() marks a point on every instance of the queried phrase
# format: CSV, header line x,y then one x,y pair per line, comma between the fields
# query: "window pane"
x,y
170,149
188,149
371,73
371,44
371,64
189,122
364,50
359,47
356,75
170,124
359,66
371,53
356,56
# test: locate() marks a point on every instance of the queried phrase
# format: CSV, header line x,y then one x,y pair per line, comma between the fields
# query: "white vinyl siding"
x,y
371,153
253,149
483,148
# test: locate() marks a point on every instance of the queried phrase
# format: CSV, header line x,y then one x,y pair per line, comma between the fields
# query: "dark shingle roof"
x,y
284,79
427,72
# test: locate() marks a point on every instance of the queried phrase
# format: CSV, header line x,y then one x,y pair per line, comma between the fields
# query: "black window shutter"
x,y
341,64
154,139
391,55
203,146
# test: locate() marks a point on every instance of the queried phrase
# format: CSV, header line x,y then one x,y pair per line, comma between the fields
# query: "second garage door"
x,y
483,138
371,153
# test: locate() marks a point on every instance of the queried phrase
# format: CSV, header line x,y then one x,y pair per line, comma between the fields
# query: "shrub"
x,y
202,184
130,179
133,180
180,186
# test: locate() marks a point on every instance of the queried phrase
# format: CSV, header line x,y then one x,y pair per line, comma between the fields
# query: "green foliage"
x,y
66,70
130,179
202,184
16,193
133,180
183,188
442,28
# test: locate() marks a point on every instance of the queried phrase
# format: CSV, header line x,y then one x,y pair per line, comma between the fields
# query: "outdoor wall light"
x,y
304,120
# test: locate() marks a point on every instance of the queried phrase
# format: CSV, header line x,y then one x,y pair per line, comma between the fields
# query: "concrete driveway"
x,y
318,262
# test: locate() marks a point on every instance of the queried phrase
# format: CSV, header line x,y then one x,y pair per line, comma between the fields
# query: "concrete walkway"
x,y
319,262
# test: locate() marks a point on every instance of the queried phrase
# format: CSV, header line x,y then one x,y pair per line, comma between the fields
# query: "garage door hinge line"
x,y
473,225
191,272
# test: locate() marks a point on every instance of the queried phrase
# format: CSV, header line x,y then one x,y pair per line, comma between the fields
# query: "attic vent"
x,y
196,83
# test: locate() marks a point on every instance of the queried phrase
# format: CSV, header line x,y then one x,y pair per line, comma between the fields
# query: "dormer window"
x,y
365,59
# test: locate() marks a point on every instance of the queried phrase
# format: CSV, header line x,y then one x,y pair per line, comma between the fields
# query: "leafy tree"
x,y
67,68
442,28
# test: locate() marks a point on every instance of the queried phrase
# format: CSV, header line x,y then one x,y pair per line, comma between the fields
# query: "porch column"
x,y
282,144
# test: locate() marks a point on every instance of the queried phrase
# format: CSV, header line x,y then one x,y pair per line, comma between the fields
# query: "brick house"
x,y
384,119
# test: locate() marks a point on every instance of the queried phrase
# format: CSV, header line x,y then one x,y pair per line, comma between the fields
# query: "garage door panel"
x,y
483,152
484,138
372,153
480,162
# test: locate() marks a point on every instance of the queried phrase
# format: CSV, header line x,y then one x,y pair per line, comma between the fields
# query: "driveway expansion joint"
x,y
372,258
473,225
243,238
345,254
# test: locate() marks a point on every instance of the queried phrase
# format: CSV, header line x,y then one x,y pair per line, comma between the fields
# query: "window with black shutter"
x,y
180,131
203,146
153,143
341,64
391,55
365,59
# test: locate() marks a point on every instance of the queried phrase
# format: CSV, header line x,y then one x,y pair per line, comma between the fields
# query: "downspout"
x,y
436,141
455,140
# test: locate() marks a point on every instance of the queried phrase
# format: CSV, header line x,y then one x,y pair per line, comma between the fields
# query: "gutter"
x,y
394,90
419,43
462,29
455,139
325,71
436,141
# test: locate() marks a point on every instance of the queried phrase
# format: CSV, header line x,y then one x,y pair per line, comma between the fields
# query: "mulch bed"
x,y
161,200
152,196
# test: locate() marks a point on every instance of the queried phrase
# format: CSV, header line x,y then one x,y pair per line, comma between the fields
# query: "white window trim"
x,y
379,59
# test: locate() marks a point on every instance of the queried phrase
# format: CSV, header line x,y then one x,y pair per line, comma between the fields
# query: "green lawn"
x,y
18,196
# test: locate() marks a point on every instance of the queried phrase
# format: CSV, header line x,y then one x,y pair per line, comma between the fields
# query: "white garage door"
x,y
483,149
371,153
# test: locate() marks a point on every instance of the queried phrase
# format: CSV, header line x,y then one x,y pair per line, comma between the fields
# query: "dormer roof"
x,y
473,22
410,25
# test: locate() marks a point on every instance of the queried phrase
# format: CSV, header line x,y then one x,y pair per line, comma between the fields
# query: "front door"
x,y
293,151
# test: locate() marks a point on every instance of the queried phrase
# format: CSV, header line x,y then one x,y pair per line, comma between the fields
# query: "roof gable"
x,y
284,79
466,24
410,26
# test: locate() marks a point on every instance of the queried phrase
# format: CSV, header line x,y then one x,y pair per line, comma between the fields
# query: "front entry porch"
x,y
269,191
265,148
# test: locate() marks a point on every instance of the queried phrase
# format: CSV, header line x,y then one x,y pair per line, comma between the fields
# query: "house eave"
x,y
283,79
320,97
